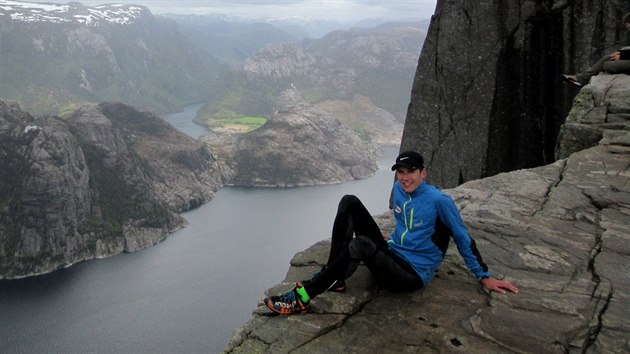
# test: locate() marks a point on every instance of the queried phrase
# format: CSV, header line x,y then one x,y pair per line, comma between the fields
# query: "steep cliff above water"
x,y
106,179
559,232
488,95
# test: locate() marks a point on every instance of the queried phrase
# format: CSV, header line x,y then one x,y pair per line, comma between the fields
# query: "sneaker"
x,y
571,79
339,286
287,304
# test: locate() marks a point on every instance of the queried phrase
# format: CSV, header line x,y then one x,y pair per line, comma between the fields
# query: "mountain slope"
x,y
56,55
229,40
375,66
299,145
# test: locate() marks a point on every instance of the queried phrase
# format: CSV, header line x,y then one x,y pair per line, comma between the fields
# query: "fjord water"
x,y
190,292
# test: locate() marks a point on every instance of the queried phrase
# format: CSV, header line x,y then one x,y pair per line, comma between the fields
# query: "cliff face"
x,y
105,180
44,193
487,96
559,232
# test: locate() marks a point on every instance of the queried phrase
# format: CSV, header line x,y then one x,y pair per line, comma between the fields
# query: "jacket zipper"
x,y
408,223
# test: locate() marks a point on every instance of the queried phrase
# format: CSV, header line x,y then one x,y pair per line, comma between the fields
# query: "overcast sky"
x,y
340,10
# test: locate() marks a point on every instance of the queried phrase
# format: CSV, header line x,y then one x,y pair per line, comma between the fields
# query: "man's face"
x,y
410,180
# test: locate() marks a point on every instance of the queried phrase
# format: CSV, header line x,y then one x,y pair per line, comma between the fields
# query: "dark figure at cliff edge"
x,y
406,260
617,62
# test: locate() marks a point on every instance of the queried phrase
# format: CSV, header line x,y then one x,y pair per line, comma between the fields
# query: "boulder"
x,y
600,106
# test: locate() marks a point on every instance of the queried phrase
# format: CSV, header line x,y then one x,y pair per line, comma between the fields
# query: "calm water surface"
x,y
190,292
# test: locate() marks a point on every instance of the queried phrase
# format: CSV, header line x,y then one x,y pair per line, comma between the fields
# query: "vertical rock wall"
x,y
488,96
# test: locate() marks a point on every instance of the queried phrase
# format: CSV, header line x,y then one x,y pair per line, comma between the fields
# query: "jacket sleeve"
x,y
465,244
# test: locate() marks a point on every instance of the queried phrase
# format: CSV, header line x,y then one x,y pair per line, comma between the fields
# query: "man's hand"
x,y
498,285
615,56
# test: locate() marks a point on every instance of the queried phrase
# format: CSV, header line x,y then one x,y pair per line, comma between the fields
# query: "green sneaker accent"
x,y
303,294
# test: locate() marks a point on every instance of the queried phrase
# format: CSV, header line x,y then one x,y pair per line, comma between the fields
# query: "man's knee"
x,y
361,247
347,200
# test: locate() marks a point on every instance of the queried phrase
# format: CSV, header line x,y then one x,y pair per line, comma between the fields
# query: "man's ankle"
x,y
303,295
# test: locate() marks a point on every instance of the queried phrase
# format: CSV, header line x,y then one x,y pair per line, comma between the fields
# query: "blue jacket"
x,y
425,221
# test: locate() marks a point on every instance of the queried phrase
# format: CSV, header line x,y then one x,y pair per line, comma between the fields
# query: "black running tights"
x,y
346,251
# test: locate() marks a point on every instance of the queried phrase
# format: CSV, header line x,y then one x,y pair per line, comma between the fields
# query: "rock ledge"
x,y
560,232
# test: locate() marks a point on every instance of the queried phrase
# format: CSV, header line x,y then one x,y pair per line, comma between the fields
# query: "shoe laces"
x,y
288,297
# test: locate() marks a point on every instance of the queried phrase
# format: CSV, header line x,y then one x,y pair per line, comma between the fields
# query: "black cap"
x,y
410,160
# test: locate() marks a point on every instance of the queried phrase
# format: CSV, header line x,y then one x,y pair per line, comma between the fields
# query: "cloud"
x,y
340,10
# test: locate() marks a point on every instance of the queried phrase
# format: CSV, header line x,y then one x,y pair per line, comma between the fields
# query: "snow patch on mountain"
x,y
73,12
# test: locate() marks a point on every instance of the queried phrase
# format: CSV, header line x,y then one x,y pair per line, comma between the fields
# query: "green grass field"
x,y
240,124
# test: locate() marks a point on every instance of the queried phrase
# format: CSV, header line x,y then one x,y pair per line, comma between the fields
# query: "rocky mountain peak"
x,y
340,53
73,12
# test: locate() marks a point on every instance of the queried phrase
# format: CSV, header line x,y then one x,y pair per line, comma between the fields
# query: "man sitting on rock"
x,y
406,260
617,62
